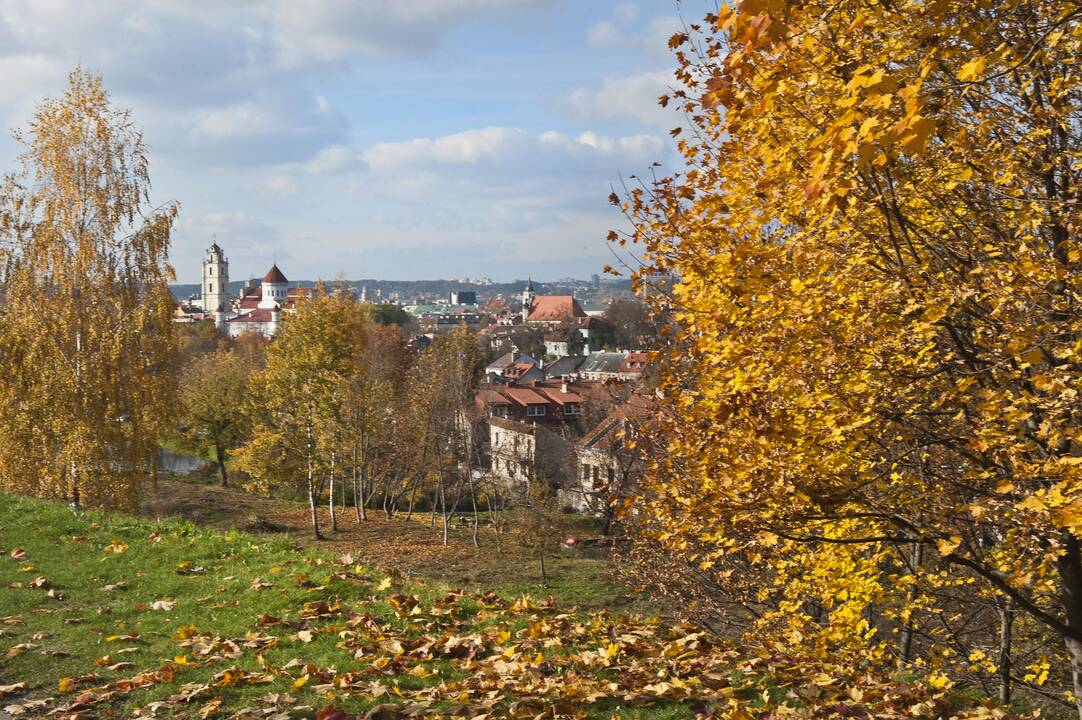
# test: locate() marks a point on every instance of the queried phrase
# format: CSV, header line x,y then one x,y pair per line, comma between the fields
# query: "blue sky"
x,y
397,139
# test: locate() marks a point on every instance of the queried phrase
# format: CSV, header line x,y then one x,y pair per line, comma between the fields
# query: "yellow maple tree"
x,y
871,417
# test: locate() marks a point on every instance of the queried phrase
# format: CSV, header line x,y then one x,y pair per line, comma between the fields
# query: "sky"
x,y
391,139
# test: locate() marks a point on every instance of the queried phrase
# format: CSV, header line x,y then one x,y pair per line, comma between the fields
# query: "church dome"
x,y
274,275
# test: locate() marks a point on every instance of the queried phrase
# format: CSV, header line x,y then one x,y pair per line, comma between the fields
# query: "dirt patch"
x,y
413,546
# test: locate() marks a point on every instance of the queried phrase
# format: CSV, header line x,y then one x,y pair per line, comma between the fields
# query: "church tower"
x,y
527,299
215,280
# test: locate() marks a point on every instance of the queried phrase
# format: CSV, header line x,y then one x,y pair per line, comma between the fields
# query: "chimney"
x,y
563,387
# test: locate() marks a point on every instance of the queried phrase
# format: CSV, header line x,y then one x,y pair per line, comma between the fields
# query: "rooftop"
x,y
274,275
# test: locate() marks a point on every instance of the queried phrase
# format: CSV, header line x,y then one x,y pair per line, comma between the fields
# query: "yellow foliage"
x,y
878,305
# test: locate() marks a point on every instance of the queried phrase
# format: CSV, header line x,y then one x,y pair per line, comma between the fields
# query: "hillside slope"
x,y
105,615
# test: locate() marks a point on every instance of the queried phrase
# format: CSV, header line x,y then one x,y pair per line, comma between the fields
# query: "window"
x,y
210,287
585,472
571,409
535,410
210,270
596,473
612,475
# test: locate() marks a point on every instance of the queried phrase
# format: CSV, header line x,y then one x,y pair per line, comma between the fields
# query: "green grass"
x,y
103,609
375,638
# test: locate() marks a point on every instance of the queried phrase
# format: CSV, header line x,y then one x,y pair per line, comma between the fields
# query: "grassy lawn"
x,y
107,615
90,598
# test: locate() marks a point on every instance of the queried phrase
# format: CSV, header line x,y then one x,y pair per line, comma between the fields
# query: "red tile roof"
x,y
554,308
518,369
274,275
634,362
558,396
524,396
259,315
493,397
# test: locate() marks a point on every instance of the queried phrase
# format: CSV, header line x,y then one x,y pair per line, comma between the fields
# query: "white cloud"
x,y
490,153
228,85
331,30
277,126
653,37
279,186
332,159
631,96
500,179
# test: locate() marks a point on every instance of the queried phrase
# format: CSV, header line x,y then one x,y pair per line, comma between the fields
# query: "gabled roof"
x,y
534,374
558,396
505,360
492,397
274,275
518,369
525,396
563,366
631,413
554,308
608,362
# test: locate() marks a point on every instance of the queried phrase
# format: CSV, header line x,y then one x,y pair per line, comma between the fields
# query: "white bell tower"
x,y
215,280
527,299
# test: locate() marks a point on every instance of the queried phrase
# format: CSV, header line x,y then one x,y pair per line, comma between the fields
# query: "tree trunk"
x,y
443,508
1070,570
330,494
358,488
313,495
916,557
1006,621
312,500
219,452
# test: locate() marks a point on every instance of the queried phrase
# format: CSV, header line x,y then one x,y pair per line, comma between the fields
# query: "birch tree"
x,y
294,407
86,313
